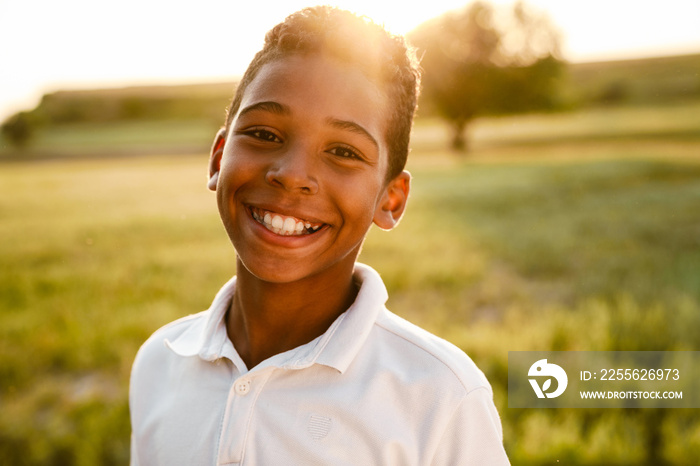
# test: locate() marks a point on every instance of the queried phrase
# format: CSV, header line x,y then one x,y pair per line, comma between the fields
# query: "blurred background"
x,y
555,202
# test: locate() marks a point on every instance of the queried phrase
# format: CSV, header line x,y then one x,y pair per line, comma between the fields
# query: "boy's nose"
x,y
293,171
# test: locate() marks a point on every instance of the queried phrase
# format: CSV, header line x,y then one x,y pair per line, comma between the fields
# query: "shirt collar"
x,y
207,337
354,325
336,348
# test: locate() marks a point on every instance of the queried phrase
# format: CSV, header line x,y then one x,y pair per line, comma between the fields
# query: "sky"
x,y
48,45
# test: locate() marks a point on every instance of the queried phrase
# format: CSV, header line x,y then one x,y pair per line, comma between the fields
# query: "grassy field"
x,y
559,232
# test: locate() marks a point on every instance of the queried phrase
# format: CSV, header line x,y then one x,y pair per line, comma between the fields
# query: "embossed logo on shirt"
x,y
319,426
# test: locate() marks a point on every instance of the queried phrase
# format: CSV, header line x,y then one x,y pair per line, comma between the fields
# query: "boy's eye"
x,y
263,135
344,152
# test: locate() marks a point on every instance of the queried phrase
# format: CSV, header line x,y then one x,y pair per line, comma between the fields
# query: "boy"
x,y
297,361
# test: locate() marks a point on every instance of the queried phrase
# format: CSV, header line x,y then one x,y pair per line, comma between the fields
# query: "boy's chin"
x,y
276,277
277,272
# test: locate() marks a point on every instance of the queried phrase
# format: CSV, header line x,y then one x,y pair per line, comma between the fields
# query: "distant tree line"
x,y
66,107
187,102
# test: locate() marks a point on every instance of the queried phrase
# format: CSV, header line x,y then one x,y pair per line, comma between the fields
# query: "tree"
x,y
18,129
480,61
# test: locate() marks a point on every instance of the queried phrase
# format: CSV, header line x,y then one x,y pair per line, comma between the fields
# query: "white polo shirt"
x,y
372,390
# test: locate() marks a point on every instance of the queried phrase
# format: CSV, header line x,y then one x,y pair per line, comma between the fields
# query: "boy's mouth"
x,y
283,224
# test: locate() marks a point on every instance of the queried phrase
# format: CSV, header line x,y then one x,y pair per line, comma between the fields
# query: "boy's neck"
x,y
266,318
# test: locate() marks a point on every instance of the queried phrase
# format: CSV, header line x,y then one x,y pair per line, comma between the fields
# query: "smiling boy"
x,y
297,361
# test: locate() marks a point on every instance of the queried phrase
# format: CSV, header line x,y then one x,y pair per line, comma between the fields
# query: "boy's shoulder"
x,y
183,330
440,358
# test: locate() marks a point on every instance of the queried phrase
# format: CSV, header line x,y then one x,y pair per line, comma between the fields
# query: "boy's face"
x,y
302,170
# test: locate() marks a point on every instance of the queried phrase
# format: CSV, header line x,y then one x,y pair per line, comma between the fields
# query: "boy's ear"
x,y
217,151
393,201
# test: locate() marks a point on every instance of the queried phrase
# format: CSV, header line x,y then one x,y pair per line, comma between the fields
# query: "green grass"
x,y
93,253
566,243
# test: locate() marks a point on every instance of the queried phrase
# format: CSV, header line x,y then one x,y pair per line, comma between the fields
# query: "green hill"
x,y
136,103
650,81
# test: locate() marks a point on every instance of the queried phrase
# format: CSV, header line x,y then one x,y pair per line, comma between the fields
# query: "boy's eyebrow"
x,y
272,107
352,127
280,109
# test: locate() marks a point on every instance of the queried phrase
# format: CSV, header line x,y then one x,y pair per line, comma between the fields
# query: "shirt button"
x,y
242,387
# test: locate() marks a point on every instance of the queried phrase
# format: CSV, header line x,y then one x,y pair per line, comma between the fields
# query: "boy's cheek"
x,y
235,165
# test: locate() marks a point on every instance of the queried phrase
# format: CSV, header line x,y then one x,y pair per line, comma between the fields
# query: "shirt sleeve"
x,y
473,436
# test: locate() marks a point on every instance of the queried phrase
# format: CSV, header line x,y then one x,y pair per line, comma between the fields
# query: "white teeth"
x,y
285,226
289,225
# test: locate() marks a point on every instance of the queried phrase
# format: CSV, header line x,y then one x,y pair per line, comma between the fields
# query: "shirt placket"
x,y
240,410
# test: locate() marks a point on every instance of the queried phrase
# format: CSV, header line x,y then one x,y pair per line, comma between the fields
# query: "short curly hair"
x,y
386,59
